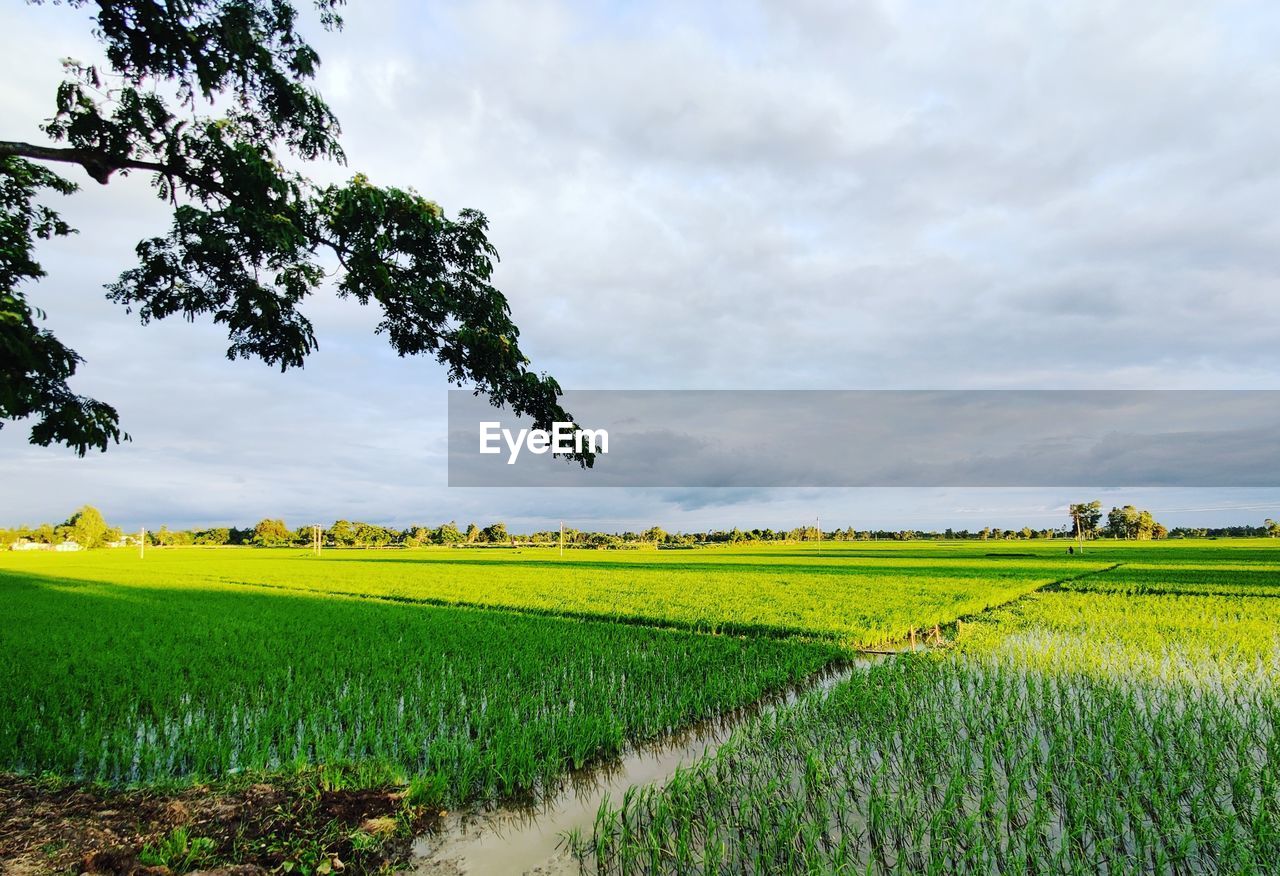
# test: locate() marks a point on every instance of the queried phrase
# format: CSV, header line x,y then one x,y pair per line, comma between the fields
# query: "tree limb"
x,y
99,165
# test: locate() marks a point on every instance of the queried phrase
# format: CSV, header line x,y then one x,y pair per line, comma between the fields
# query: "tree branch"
x,y
98,165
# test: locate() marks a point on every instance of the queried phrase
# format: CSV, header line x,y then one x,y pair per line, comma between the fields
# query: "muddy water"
x,y
530,839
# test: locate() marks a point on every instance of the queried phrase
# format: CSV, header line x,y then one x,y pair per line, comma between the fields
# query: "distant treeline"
x,y
87,529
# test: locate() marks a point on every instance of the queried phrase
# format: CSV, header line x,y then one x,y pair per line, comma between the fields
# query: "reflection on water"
x,y
527,838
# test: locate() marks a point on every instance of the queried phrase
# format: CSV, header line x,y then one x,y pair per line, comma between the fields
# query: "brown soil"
x,y
291,826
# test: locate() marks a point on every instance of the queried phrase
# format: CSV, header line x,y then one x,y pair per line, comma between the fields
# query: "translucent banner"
x,y
876,438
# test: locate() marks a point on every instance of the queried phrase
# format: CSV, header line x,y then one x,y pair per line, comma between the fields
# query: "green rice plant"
x,y
177,850
1064,733
428,791
151,684
1235,578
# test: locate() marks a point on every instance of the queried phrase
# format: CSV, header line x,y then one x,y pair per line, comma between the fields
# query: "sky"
x,y
799,195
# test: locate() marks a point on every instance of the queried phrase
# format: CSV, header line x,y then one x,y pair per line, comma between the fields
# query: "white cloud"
x,y
808,194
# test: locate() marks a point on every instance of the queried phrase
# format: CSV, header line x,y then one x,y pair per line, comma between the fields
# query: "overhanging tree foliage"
x,y
248,235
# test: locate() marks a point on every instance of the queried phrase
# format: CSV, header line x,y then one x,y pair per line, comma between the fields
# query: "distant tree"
x,y
86,527
1084,519
1272,528
372,535
1130,523
603,541
473,532
496,533
655,535
342,533
1145,527
215,536
248,228
416,536
271,533
1122,522
447,533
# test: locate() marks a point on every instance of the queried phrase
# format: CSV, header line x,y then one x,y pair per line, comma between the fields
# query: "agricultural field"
x,y
1066,733
1210,579
1114,711
131,684
861,594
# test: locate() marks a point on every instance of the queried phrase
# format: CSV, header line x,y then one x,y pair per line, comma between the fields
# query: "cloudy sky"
x,y
798,195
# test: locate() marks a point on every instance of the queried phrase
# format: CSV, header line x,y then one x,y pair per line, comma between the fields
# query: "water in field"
x,y
531,839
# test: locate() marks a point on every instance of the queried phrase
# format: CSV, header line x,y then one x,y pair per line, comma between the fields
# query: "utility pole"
x,y
562,538
142,542
818,520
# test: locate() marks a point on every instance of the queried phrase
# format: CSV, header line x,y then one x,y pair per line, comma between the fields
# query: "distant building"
x,y
67,546
26,544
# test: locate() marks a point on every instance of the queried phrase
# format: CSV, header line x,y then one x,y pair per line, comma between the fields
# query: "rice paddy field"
x,y
150,684
1116,711
1068,732
858,596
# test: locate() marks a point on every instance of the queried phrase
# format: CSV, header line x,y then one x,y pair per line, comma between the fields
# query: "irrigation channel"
x,y
530,839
